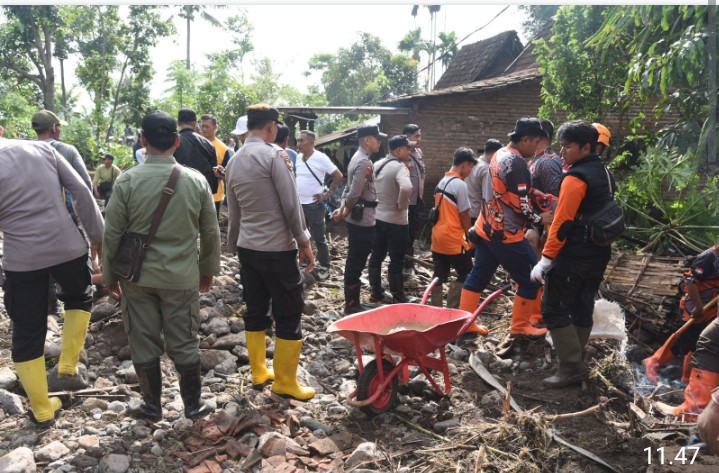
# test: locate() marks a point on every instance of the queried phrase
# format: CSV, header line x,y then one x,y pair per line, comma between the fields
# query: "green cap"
x,y
45,119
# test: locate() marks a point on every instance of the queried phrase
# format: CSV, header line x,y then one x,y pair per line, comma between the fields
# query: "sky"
x,y
289,35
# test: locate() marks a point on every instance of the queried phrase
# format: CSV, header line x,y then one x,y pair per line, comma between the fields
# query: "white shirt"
x,y
307,185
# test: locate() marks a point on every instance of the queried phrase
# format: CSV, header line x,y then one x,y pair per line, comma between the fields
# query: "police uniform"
x,y
416,168
266,223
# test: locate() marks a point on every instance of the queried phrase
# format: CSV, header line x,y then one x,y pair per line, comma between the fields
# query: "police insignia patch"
x,y
283,154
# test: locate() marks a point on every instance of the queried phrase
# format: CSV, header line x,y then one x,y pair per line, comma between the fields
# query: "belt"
x,y
370,204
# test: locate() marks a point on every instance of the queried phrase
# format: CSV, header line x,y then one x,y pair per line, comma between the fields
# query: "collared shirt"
x,y
307,185
172,260
38,231
263,208
546,171
73,157
197,152
360,186
415,164
479,187
105,174
393,188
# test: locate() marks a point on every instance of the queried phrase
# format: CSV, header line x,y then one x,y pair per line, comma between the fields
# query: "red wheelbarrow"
x,y
409,331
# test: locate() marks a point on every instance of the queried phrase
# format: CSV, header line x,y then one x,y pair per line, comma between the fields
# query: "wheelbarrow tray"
x,y
409,330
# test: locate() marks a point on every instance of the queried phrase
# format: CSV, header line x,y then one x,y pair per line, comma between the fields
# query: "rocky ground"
x,y
472,429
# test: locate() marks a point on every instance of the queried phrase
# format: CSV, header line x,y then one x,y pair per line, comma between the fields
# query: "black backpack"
x,y
606,224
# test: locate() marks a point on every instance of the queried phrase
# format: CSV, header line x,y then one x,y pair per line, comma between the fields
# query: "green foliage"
x,y
124,158
79,133
183,88
18,102
667,204
537,17
364,73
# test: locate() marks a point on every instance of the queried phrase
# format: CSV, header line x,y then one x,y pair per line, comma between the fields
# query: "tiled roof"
x,y
481,60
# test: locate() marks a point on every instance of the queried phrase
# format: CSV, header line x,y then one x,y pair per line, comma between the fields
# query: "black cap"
x,y
527,126
398,141
259,113
108,156
369,130
186,115
158,125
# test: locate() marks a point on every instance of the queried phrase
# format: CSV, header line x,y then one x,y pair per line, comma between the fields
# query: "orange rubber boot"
x,y
469,303
521,312
697,395
656,361
536,317
686,366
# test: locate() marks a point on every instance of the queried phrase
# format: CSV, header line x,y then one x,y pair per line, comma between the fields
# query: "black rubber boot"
x,y
572,369
375,282
352,300
149,377
190,385
396,287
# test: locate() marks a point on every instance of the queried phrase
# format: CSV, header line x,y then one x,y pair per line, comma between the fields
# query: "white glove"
x,y
541,268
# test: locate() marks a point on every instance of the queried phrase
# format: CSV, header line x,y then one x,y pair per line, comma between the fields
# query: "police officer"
x,y
359,202
266,222
416,167
391,233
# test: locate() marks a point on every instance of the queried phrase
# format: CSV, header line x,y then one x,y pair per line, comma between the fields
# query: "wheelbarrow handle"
x,y
428,291
482,306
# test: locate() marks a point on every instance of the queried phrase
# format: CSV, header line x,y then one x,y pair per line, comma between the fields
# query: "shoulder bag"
x,y
127,264
433,215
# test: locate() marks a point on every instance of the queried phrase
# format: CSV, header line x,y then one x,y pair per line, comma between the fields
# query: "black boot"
x,y
352,300
396,287
149,377
572,369
190,385
375,281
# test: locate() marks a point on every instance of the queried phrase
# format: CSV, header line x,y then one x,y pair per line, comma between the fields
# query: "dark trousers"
x,y
706,357
217,209
517,259
462,263
315,220
570,288
687,341
413,228
26,300
272,275
359,246
389,238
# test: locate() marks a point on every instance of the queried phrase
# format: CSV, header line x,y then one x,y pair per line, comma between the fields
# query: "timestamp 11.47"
x,y
681,458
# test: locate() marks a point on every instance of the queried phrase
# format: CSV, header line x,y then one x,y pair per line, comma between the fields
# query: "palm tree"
x,y
188,13
447,47
433,10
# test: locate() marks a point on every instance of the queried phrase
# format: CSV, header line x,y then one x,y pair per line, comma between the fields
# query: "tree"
x,y
188,12
447,47
537,17
27,41
183,89
364,73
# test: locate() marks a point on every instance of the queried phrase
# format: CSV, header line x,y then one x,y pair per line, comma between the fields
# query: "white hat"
x,y
241,127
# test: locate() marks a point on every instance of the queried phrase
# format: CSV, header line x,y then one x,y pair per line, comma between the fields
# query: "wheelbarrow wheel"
x,y
368,383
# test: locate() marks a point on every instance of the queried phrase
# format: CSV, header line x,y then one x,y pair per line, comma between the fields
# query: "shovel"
x,y
673,339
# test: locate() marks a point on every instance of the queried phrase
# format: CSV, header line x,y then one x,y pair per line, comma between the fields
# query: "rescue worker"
x,y
708,423
450,248
267,225
577,263
417,175
41,240
700,285
479,181
704,379
604,138
357,208
499,231
391,233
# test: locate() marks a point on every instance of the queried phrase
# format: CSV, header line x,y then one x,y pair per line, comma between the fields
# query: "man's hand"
x,y
96,249
205,283
698,313
547,217
115,290
540,269
320,197
709,424
338,215
306,256
219,171
96,193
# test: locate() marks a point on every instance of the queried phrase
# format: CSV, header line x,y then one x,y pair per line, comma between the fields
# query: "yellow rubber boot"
x,y
469,302
34,380
521,312
287,357
258,359
73,340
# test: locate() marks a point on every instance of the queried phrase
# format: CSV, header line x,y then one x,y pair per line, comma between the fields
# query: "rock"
x,y
211,358
113,334
230,341
243,356
114,463
441,427
84,461
91,403
51,452
129,374
88,441
23,438
124,353
236,324
205,313
364,452
485,356
274,443
182,424
217,326
68,383
157,450
313,424
309,308
491,399
11,403
53,350
103,311
207,300
226,367
19,460
160,434
117,406
525,366
503,366
8,378
324,447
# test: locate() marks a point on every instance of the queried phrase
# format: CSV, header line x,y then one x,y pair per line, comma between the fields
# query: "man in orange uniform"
x,y
499,231
574,265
